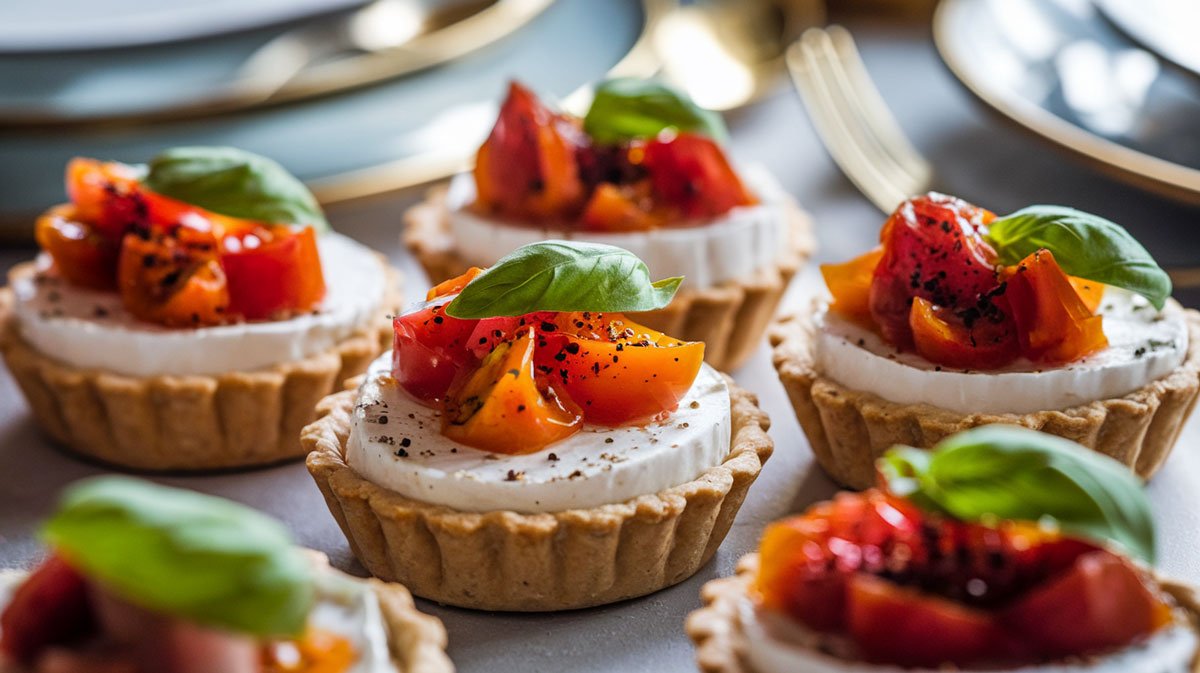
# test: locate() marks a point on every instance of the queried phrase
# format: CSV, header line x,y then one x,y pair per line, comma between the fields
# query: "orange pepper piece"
x,y
501,408
1090,292
83,256
610,209
453,285
850,285
173,277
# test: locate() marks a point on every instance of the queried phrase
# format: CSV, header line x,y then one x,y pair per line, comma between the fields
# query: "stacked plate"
x,y
1114,81
129,80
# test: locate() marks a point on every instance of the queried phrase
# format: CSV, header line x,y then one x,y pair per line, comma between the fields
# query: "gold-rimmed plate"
x,y
1059,70
375,139
382,40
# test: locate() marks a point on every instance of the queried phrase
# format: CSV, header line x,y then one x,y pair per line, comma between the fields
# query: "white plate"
x,y
1166,27
71,25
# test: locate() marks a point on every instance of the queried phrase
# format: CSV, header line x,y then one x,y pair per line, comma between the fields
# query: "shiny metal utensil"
x,y
384,39
852,120
728,53
859,130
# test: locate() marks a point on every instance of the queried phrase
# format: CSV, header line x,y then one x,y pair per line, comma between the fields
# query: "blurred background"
x,y
1087,103
1090,103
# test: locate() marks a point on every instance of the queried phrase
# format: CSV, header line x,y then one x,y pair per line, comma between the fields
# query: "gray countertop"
x,y
976,157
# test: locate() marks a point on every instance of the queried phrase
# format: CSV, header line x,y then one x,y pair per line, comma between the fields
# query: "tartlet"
x,y
251,603
662,189
615,498
1042,596
141,341
1100,365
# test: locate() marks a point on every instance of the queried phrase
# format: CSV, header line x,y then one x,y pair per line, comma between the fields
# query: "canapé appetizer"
x,y
1049,318
526,446
189,314
147,579
644,170
1003,549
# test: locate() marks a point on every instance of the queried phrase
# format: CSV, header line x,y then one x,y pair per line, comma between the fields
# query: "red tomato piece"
x,y
82,255
691,173
429,349
106,195
173,276
49,608
933,248
272,271
501,407
1100,604
598,359
1055,324
902,626
942,338
805,560
527,167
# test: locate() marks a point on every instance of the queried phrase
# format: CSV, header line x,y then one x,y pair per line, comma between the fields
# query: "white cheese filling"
x,y
90,329
396,442
777,644
345,607
351,610
733,246
1143,345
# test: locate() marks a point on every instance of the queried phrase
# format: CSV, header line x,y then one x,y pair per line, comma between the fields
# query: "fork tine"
x,y
832,125
845,99
876,111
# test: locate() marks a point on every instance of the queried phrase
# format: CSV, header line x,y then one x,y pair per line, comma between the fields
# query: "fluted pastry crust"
x,y
848,429
729,318
503,560
715,629
182,423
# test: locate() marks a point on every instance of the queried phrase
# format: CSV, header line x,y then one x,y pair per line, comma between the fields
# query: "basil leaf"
x,y
236,183
563,276
1015,473
1084,245
626,108
181,553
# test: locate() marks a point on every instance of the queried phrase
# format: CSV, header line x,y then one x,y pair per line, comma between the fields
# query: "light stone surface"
x,y
976,157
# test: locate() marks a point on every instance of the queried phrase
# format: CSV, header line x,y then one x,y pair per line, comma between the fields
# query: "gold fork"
x,y
859,130
852,120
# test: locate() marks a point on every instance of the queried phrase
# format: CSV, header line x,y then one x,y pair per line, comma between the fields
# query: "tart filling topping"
x,y
965,289
644,157
147,578
203,236
521,355
1009,545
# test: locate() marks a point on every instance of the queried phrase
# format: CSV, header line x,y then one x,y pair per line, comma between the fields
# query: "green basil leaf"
x,y
236,183
1008,472
563,276
626,108
181,553
1084,245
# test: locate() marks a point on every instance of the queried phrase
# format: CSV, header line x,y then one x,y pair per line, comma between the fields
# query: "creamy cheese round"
x,y
1143,345
777,644
90,329
342,606
731,247
350,609
396,442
